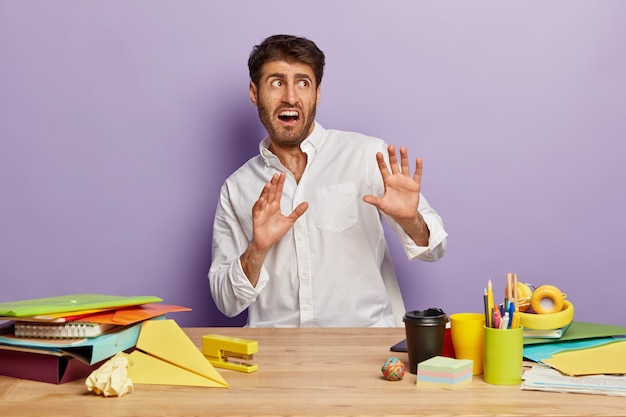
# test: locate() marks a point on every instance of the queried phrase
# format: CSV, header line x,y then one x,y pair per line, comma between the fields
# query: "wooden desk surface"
x,y
304,372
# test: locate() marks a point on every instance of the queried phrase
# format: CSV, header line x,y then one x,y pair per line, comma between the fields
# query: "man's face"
x,y
286,98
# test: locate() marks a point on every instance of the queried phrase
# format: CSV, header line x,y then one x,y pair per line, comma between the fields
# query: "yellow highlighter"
x,y
229,352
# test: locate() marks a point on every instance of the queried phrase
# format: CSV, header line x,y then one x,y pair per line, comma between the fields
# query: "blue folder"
x,y
90,351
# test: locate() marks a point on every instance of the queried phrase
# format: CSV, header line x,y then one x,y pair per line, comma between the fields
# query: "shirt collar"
x,y
311,145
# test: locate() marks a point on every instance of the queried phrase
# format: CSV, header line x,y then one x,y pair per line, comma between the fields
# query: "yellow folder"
x,y
166,356
605,359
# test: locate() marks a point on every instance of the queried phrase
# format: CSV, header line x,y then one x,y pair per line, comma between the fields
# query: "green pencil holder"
x,y
503,356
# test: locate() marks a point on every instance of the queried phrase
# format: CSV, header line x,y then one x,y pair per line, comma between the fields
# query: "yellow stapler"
x,y
220,349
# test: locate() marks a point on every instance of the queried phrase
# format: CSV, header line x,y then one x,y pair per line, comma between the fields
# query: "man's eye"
x,y
277,83
303,83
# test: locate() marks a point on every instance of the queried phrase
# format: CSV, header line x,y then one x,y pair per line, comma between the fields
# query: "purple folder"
x,y
43,365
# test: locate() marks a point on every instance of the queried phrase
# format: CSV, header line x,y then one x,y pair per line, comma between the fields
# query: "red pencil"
x,y
496,317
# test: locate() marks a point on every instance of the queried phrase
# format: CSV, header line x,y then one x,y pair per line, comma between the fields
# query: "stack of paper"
x,y
67,357
588,358
540,378
545,334
586,348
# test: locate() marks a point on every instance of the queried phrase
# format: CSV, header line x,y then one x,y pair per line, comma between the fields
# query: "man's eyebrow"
x,y
275,75
301,76
298,76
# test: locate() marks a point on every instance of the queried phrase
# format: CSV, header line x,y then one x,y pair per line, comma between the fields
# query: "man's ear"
x,y
319,94
254,94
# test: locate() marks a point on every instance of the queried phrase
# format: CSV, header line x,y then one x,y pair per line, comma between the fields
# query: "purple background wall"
x,y
120,120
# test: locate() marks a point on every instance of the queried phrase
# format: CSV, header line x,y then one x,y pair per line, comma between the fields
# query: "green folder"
x,y
582,330
70,303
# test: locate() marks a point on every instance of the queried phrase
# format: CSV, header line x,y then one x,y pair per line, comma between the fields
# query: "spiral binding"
x,y
72,330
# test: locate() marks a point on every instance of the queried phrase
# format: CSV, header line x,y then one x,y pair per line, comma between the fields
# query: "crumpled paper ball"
x,y
393,369
111,378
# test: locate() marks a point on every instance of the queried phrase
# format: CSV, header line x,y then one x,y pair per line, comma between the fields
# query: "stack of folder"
x,y
587,358
64,338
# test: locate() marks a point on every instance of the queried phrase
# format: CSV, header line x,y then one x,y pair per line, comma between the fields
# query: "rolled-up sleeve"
x,y
437,241
230,288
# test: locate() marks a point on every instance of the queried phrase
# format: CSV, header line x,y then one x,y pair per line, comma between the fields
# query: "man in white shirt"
x,y
298,238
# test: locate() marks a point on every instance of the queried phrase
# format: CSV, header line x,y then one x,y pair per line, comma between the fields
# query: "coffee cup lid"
x,y
431,316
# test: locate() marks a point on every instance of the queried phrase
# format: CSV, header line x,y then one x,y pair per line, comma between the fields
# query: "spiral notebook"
x,y
70,330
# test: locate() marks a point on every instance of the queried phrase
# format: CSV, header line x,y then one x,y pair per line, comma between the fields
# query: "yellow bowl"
x,y
548,321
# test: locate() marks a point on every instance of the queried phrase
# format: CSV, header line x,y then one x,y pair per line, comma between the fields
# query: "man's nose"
x,y
290,95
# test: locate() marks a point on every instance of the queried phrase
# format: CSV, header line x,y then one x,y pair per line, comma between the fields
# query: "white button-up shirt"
x,y
328,270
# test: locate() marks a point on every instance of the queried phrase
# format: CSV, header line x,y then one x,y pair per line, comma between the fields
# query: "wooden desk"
x,y
304,372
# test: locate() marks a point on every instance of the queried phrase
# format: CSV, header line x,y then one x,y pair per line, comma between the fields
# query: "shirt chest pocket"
x,y
336,207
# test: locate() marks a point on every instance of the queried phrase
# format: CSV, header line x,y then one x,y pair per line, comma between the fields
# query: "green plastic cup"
x,y
503,356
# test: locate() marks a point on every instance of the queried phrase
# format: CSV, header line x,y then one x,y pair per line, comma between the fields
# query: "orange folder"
x,y
114,315
134,314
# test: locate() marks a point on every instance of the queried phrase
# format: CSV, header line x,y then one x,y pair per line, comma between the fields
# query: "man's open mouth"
x,y
289,115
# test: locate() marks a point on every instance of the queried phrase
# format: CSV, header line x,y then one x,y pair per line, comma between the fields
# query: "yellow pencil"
x,y
515,320
490,301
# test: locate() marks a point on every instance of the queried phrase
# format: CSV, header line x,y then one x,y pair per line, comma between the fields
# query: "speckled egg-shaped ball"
x,y
393,369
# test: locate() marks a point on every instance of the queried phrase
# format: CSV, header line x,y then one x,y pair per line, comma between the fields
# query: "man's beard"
x,y
286,136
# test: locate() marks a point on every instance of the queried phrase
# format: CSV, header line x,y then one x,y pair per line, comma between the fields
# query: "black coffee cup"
x,y
425,331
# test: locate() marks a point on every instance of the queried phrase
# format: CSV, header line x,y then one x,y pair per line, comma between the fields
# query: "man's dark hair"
x,y
286,48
